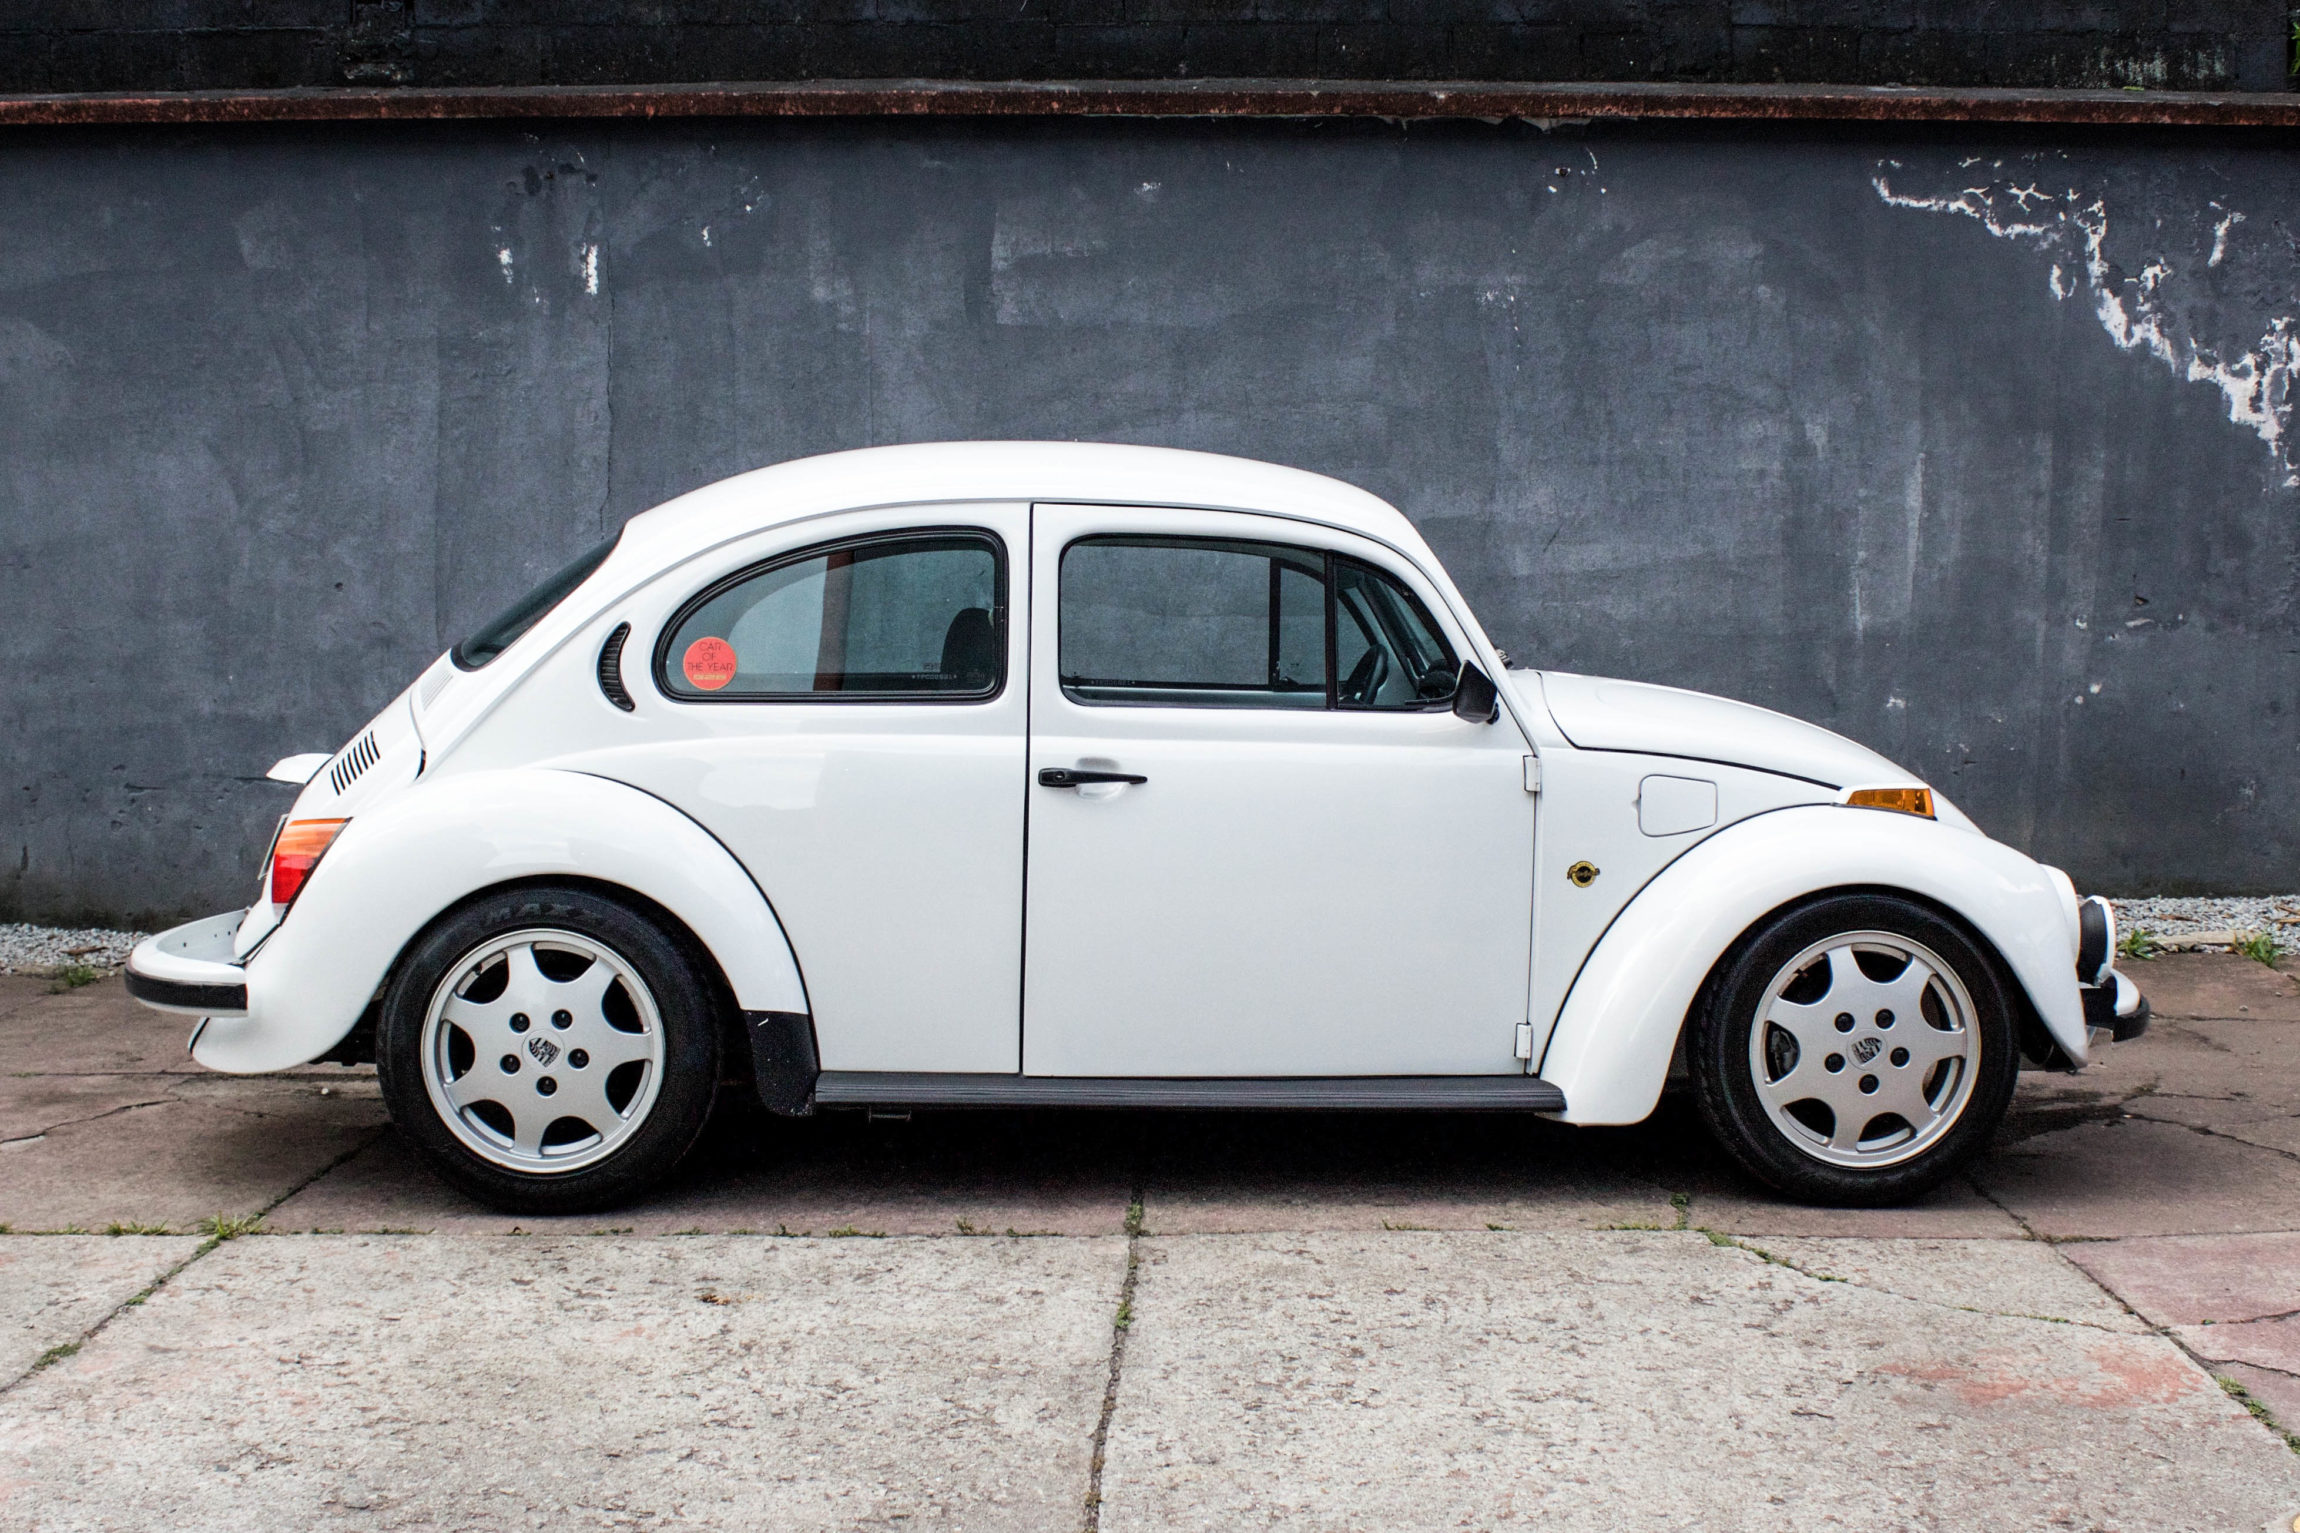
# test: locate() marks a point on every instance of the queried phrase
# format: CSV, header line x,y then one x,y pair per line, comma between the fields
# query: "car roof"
x,y
931,472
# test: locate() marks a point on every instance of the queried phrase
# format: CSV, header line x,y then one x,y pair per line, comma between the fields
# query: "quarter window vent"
x,y
611,669
352,763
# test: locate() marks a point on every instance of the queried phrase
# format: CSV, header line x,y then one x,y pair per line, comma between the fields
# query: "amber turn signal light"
x,y
298,850
1905,800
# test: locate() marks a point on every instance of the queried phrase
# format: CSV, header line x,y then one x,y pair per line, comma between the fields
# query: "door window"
x,y
909,616
1219,623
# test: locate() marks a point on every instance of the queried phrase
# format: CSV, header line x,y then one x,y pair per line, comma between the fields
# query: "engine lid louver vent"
x,y
433,685
611,669
348,766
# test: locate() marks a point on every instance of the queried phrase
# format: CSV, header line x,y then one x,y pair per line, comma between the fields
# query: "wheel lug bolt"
x,y
519,1023
562,1019
1833,1063
577,1059
1900,1056
1844,1021
1884,1019
510,1064
547,1085
1868,1085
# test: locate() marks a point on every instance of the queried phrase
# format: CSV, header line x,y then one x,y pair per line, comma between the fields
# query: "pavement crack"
x,y
1121,1324
1735,1242
2213,1133
94,1117
2234,1390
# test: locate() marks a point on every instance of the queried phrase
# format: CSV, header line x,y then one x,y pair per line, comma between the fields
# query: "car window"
x,y
509,625
1387,652
1216,623
1193,621
907,616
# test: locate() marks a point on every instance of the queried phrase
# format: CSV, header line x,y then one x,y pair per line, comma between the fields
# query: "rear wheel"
x,y
1855,1050
549,1050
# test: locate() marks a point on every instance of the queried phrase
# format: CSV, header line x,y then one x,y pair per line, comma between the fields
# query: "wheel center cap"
x,y
546,1051
1864,1051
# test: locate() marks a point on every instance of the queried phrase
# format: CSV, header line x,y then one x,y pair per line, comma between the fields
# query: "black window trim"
x,y
1329,562
659,670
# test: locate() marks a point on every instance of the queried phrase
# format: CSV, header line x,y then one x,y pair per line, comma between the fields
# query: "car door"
x,y
1288,857
843,708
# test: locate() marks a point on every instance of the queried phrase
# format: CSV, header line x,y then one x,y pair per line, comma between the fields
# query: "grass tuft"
x,y
137,1229
221,1227
2257,946
851,1232
72,976
2137,944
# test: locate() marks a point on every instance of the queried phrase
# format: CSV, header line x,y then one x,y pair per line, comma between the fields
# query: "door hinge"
x,y
1533,774
1525,1041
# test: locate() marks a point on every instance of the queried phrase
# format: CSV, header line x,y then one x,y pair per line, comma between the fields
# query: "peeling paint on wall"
x,y
2166,308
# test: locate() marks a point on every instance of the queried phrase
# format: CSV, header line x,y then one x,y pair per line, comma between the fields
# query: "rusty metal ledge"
x,y
1189,98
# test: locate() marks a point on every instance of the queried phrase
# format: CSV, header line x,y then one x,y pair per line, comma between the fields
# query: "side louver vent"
x,y
353,762
611,668
433,685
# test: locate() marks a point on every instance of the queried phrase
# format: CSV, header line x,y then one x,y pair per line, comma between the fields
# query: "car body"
x,y
995,773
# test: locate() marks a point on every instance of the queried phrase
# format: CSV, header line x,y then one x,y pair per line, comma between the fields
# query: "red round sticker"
x,y
709,663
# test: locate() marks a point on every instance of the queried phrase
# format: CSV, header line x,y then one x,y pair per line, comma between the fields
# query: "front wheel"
x,y
1854,1050
548,1050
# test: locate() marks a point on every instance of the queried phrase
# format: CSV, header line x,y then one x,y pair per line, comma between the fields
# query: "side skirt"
x,y
1451,1093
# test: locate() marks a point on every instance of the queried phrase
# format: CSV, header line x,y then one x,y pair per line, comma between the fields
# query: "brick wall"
x,y
101,45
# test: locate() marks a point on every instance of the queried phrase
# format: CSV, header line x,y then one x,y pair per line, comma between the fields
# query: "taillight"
x,y
298,850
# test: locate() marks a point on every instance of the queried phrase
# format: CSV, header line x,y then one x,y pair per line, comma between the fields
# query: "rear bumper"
x,y
190,969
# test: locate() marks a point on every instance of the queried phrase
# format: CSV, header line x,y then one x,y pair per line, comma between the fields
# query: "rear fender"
x,y
416,854
1611,1048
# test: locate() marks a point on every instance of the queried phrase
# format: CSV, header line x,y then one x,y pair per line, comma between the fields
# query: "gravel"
x,y
2179,921
44,949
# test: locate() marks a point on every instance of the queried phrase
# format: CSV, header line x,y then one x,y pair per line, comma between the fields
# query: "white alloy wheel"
x,y
542,1051
1865,1049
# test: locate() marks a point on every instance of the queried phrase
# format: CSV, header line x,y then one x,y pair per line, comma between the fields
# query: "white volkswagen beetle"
x,y
996,774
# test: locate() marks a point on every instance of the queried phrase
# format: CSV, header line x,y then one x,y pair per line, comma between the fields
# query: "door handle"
x,y
1079,777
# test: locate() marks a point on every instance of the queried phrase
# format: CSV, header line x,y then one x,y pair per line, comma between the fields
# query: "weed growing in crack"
x,y
850,1232
2257,946
2260,1413
72,976
2137,944
1683,1203
137,1229
55,1354
230,1227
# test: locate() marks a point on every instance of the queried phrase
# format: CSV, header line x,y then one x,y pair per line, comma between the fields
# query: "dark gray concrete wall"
x,y
72,45
1925,437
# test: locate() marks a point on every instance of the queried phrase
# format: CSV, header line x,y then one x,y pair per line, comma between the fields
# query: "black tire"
x,y
630,1156
1782,1143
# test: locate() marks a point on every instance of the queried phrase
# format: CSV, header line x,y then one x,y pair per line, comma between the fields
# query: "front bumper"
x,y
189,969
2115,1007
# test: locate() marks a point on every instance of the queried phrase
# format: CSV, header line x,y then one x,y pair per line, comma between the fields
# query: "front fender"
x,y
1611,1047
398,866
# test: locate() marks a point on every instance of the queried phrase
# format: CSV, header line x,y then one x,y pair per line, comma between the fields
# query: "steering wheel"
x,y
1367,676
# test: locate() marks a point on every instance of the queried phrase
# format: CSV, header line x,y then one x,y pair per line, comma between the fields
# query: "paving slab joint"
x,y
1120,1324
218,1229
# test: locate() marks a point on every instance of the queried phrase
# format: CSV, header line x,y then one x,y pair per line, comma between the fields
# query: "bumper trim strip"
x,y
186,995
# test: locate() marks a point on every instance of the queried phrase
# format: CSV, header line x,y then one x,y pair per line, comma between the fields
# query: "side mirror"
x,y
1473,696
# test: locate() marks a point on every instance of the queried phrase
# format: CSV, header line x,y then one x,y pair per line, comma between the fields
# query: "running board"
x,y
1451,1093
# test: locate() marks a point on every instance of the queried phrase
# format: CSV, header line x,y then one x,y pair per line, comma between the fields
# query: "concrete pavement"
x,y
1038,1320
